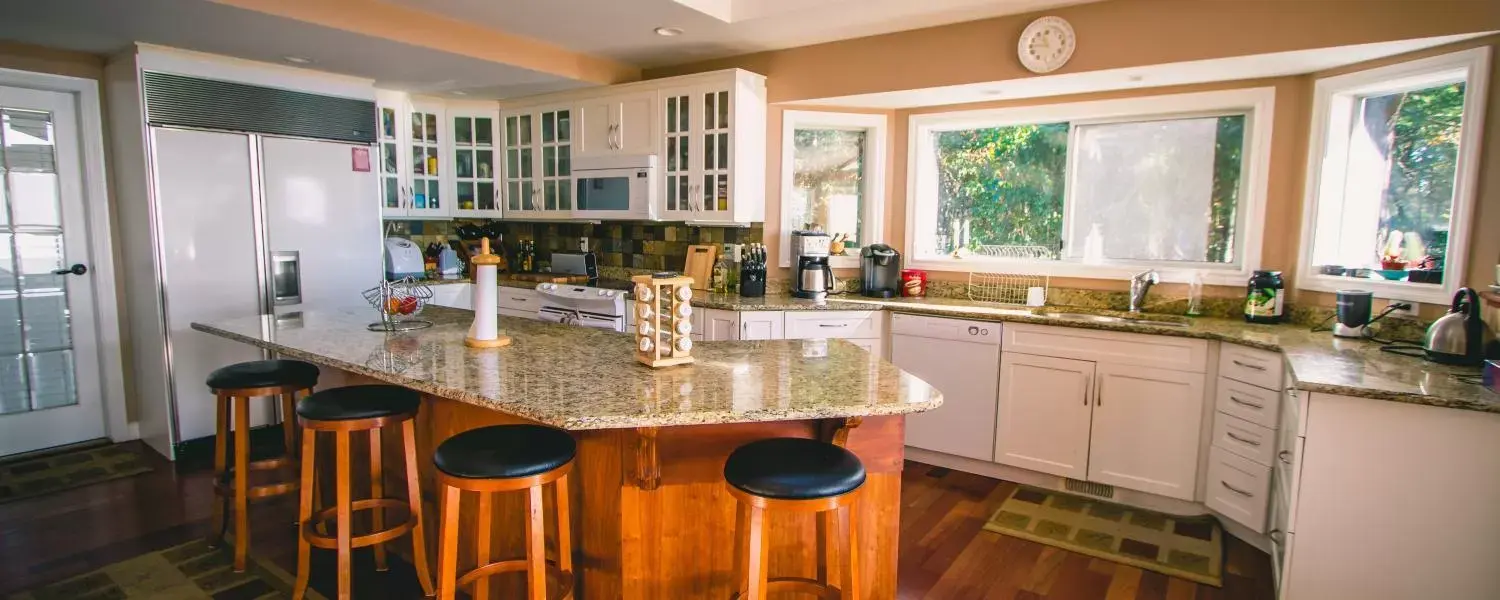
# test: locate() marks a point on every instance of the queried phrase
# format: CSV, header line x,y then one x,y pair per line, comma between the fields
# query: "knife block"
x,y
663,326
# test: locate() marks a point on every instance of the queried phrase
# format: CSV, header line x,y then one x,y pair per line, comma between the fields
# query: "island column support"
x,y
647,459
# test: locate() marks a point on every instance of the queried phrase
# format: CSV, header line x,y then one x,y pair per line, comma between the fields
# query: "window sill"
x,y
1387,290
1117,271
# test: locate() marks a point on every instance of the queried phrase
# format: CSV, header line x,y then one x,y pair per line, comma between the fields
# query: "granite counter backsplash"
x,y
648,246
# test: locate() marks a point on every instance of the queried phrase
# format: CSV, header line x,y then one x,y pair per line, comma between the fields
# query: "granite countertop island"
x,y
578,378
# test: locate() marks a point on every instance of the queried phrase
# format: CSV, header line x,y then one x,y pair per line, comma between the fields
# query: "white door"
x,y
635,129
967,374
762,325
49,366
596,128
720,325
1146,427
1043,421
314,206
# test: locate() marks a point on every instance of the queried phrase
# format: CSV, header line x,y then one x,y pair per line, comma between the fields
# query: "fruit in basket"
x,y
393,306
409,305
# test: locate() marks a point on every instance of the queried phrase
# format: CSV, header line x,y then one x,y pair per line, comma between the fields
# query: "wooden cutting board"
x,y
700,265
546,277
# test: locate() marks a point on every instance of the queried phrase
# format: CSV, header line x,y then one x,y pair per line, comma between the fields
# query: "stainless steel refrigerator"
x,y
236,223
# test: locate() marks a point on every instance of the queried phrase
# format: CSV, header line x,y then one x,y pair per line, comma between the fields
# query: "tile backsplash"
x,y
629,244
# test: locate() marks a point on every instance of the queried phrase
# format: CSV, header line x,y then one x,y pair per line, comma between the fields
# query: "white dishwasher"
x,y
962,360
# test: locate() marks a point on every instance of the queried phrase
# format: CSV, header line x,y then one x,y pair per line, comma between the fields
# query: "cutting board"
x,y
700,265
546,277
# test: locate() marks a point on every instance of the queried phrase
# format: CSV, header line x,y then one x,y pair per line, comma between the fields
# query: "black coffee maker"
x,y
880,271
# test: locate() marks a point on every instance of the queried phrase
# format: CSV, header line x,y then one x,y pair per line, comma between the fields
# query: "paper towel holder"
x,y
485,259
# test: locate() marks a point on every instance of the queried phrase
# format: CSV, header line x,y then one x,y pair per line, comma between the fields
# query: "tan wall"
x,y
37,59
1112,35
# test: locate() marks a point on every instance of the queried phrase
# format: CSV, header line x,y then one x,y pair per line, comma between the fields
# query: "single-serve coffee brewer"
x,y
1353,312
811,275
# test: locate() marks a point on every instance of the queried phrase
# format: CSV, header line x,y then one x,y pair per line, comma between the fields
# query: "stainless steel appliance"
x,y
569,263
1459,337
227,213
813,278
809,243
880,271
1353,312
615,187
582,305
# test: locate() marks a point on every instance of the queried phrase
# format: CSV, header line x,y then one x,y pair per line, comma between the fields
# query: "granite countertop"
x,y
1318,361
579,378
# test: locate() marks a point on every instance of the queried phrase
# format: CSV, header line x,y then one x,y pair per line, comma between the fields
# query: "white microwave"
x,y
615,187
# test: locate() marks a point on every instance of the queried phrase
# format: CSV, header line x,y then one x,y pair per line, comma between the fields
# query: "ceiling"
x,y
1149,76
110,26
624,29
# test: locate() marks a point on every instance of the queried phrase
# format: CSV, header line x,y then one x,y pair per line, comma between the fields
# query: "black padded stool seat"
x,y
794,469
504,452
264,373
358,402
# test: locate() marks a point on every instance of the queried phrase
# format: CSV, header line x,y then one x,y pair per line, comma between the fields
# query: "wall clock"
x,y
1046,44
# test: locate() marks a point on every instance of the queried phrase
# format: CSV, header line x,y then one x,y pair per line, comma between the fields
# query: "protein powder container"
x,y
1265,297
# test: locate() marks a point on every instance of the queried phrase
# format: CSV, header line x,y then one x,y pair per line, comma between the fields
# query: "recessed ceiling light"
x,y
460,93
993,92
297,60
669,31
1136,77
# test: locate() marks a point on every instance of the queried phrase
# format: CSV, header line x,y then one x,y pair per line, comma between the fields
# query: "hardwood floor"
x,y
944,553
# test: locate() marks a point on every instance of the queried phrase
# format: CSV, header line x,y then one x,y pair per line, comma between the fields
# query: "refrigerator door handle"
x,y
286,278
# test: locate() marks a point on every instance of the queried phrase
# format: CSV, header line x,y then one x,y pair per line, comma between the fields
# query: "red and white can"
x,y
913,283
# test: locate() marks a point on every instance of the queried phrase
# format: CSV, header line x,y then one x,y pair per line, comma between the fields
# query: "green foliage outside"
x,y
1420,132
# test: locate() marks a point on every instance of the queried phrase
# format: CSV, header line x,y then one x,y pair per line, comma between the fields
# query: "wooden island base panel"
x,y
651,515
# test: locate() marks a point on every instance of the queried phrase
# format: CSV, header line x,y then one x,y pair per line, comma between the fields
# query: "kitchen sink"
x,y
1098,318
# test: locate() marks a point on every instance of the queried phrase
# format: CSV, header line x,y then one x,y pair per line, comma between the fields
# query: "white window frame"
x,y
875,126
1257,104
1334,99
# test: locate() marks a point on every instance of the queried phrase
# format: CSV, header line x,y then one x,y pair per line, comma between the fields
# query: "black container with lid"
x,y
1265,297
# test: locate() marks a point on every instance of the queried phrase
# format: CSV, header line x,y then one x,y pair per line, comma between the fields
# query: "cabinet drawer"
x,y
1138,349
859,324
519,299
1251,403
1238,488
1250,365
1245,439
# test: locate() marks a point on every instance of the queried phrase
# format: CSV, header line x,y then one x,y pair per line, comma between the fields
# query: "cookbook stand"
x,y
663,311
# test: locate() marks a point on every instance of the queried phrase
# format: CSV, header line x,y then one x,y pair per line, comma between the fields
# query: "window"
x,y
1391,177
1094,189
832,166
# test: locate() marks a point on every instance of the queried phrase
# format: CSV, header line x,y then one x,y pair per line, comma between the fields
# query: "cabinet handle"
x,y
1285,456
1236,490
1278,536
1098,392
1237,400
1248,365
1241,440
833,324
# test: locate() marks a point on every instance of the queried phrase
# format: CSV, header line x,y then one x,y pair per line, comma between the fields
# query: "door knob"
x,y
77,269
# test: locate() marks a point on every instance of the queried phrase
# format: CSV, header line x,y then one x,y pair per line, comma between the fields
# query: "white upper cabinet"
x,y
539,162
411,139
429,134
713,141
617,125
474,153
1146,428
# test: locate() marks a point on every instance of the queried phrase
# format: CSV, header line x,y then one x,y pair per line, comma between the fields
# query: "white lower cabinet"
x,y
518,302
720,325
1044,411
453,295
1238,488
1145,429
962,360
762,325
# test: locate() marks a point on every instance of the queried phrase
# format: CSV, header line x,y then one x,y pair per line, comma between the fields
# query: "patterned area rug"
x,y
1190,548
192,571
32,477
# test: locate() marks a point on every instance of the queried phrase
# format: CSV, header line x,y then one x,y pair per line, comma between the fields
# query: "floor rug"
x,y
192,571
1188,547
32,477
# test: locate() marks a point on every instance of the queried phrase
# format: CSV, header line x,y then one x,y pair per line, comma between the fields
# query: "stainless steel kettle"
x,y
1458,338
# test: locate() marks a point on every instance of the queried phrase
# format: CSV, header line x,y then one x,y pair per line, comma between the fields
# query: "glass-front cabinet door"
x,y
391,153
520,176
556,167
682,124
476,174
426,123
714,201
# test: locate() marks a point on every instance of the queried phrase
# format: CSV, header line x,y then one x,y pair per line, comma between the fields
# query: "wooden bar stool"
x,y
795,475
506,458
233,387
342,411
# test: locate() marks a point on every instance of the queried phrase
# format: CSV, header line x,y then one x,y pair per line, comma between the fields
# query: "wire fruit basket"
x,y
399,303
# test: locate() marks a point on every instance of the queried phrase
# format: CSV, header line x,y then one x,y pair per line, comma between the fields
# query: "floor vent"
x,y
1090,488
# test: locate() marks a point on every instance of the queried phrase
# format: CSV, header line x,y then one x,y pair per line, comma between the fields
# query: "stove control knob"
x,y
609,293
601,292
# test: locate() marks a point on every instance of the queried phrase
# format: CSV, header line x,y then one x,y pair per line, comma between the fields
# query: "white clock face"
x,y
1046,45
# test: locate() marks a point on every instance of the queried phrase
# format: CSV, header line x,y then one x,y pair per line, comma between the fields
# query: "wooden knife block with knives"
x,y
700,265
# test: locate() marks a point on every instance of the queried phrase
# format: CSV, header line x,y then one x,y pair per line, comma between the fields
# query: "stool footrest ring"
x,y
799,585
331,542
517,565
226,489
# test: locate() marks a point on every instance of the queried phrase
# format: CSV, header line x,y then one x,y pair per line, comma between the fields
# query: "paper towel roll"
x,y
486,310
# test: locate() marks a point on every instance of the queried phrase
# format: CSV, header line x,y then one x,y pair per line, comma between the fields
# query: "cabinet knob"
x,y
1285,456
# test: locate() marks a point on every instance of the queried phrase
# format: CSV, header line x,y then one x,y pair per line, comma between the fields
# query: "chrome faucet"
x,y
1141,283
